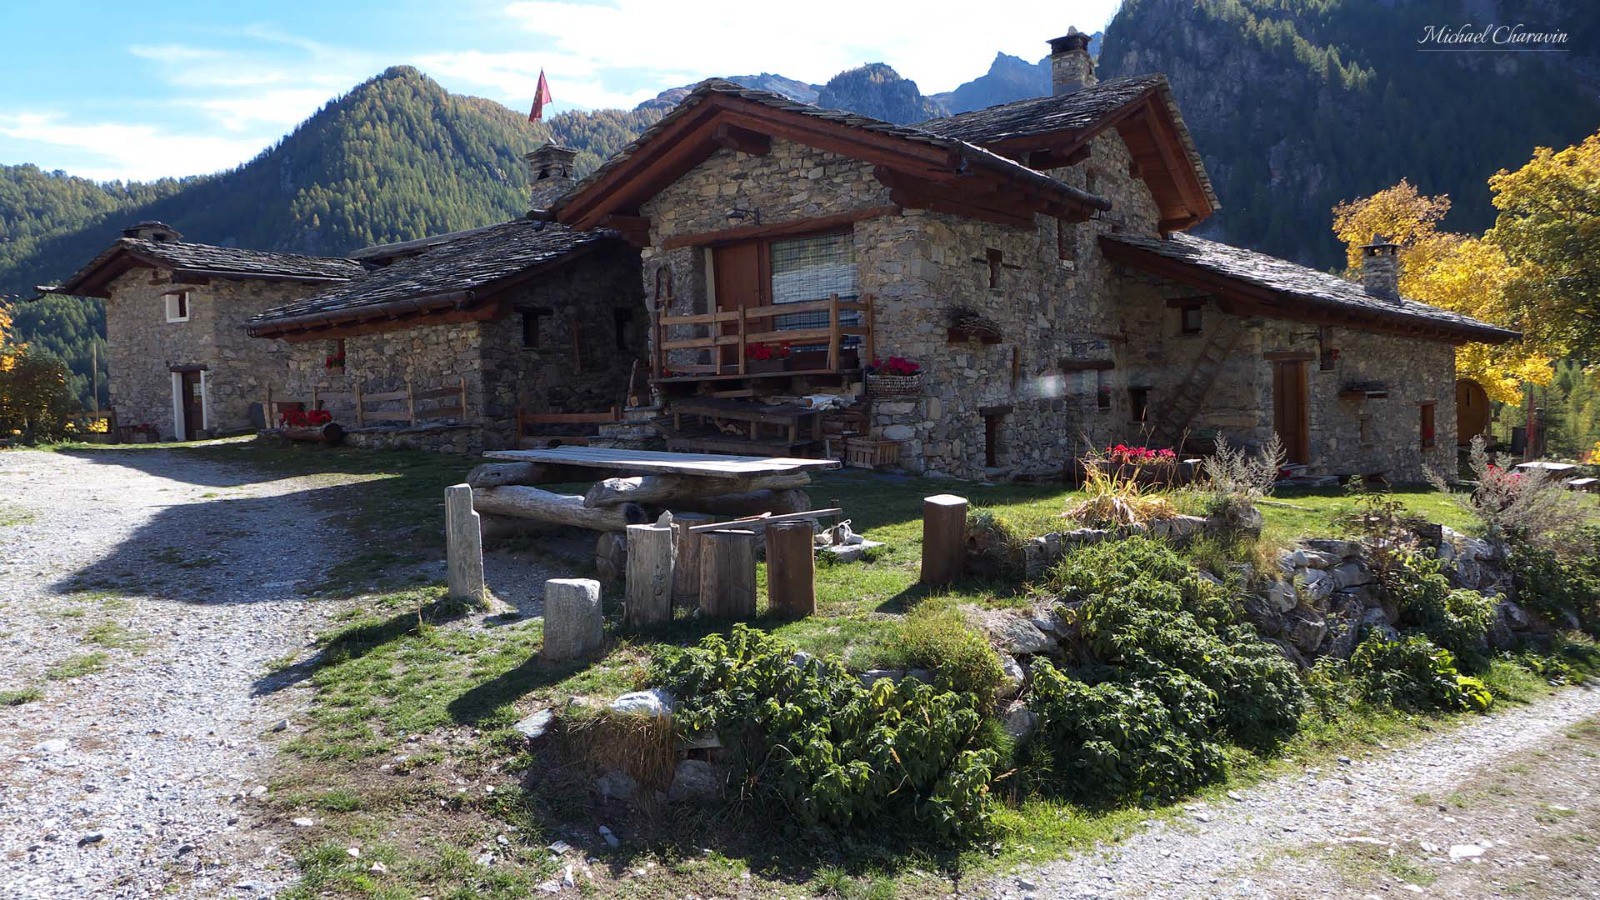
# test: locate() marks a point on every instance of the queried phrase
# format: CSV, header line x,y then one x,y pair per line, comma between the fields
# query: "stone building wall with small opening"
x,y
143,347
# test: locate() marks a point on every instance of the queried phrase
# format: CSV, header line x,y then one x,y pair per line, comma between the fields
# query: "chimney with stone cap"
x,y
158,232
1380,268
550,173
1071,67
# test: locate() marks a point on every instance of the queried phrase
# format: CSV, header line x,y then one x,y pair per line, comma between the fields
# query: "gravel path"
x,y
179,580
1371,827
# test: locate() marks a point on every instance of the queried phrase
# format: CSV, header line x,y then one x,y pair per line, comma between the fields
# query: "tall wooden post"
x,y
791,570
944,538
463,545
728,574
649,567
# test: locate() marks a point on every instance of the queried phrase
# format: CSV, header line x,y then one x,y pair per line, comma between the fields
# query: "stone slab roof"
x,y
1319,290
452,270
918,134
1082,110
227,262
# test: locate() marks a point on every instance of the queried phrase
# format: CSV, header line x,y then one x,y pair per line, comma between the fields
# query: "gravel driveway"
x,y
1508,805
143,595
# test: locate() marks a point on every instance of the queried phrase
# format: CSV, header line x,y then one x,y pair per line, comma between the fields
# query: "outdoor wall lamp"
x,y
752,216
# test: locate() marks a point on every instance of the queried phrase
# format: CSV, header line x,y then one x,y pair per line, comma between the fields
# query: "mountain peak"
x,y
877,90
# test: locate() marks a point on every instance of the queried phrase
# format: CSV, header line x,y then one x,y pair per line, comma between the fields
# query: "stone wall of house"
x,y
1349,435
143,347
1051,301
428,356
593,325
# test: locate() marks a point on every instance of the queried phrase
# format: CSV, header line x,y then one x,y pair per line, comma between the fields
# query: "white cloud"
x,y
138,152
939,45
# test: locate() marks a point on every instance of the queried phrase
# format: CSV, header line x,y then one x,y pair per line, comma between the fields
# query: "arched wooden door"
x,y
1472,411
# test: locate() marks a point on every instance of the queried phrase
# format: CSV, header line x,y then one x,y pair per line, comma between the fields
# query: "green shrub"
x,y
1116,741
1457,620
1168,581
832,751
959,657
1561,586
1414,673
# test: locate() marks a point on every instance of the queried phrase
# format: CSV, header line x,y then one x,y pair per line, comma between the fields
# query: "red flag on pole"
x,y
540,98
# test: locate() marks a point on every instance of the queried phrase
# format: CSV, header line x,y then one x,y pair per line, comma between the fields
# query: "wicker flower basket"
x,y
894,385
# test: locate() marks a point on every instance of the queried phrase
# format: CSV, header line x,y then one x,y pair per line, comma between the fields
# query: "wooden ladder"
x,y
1186,401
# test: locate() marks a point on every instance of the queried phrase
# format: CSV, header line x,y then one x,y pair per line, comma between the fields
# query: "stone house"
x,y
1030,257
178,355
525,316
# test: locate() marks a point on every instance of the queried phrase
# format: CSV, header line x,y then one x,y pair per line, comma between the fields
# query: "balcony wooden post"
x,y
743,327
833,332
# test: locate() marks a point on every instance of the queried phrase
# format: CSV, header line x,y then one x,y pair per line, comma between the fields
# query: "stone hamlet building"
x,y
179,359
527,318
1030,258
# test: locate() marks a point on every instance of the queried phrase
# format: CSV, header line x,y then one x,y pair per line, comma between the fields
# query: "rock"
x,y
303,823
1365,595
1316,586
1015,677
610,839
1352,574
849,553
1305,630
559,847
52,746
653,702
1282,595
93,837
704,741
1375,618
694,780
1465,851
800,659
1313,559
281,725
1014,634
1333,547
1344,627
378,868
1515,616
537,725
872,676
616,785
1020,721
573,627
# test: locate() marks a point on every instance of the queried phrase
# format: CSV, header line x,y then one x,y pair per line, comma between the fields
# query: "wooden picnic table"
x,y
654,462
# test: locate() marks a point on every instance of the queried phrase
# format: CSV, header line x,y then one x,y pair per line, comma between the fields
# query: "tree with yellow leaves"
x,y
1458,272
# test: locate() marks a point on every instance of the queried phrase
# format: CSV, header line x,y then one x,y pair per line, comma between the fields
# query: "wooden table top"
x,y
640,462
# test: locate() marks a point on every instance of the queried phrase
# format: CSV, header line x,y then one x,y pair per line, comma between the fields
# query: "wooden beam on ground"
x,y
791,570
749,503
728,575
944,538
490,475
555,509
759,522
649,576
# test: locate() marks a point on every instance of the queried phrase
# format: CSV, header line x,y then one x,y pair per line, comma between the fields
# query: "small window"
x,y
1327,353
1190,319
994,257
1427,426
1066,241
1139,400
178,306
1102,390
619,323
530,326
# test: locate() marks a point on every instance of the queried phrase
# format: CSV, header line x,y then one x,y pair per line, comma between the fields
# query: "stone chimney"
x,y
158,232
549,173
1380,268
1071,68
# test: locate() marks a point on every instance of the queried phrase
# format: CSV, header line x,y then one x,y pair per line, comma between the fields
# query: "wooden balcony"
x,y
728,335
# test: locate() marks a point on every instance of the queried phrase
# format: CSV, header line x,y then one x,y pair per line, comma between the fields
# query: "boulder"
x,y
1314,559
616,785
1015,677
653,702
1375,619
695,781
1013,634
573,628
1352,574
1333,547
1345,618
1316,586
537,725
872,676
1305,630
1282,595
1516,618
1365,594
1019,721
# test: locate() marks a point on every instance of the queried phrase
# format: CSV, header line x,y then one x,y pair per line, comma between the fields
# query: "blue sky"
x,y
127,90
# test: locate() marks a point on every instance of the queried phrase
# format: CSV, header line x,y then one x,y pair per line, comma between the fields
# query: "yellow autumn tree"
x,y
8,350
1458,272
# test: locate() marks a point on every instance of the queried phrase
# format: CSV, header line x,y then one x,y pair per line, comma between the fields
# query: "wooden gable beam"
x,y
1040,160
634,229
778,229
989,207
744,140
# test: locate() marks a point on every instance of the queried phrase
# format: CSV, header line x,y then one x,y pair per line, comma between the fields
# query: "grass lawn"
x,y
408,755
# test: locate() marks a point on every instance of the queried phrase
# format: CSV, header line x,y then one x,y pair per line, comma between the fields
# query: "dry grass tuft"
x,y
1115,500
644,747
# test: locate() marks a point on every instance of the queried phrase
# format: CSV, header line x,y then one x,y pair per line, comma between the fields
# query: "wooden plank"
x,y
378,398
570,418
764,520
653,462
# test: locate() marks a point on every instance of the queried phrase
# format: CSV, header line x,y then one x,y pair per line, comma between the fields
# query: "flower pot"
x,y
894,385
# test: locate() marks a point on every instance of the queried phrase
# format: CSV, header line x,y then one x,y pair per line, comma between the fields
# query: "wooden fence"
x,y
406,406
740,328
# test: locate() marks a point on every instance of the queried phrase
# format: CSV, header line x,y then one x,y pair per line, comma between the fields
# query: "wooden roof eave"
x,y
1242,298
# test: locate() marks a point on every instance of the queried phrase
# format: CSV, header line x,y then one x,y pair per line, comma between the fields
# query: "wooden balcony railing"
x,y
734,331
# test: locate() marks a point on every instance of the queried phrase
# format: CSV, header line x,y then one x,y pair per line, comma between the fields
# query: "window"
x,y
1327,354
813,268
1066,241
994,258
1139,400
1102,390
1190,319
177,306
1427,426
530,326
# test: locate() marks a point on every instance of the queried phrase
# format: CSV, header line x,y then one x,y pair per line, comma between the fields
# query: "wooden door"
x,y
738,271
193,401
1291,409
